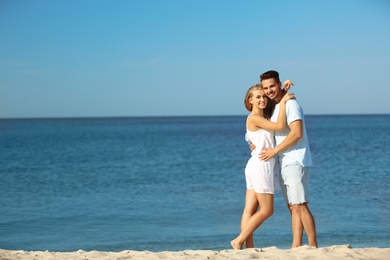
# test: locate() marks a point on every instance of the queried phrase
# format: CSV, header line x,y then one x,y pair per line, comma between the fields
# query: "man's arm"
x,y
292,137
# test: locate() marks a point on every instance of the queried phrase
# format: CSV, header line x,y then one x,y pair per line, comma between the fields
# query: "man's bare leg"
x,y
297,227
302,212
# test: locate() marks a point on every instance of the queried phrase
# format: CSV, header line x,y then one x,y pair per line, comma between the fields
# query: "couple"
x,y
282,122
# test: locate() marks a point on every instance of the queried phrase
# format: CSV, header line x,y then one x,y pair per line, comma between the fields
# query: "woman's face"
x,y
258,99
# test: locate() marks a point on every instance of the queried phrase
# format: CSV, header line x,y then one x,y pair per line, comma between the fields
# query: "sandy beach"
x,y
304,252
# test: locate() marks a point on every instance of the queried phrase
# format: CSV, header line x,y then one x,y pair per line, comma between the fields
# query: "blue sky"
x,y
181,58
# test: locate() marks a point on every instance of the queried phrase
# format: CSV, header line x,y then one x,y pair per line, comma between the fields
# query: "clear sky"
x,y
190,57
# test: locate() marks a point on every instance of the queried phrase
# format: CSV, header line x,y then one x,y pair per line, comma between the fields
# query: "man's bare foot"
x,y
236,245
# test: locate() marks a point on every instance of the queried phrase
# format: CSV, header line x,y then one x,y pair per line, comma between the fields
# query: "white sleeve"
x,y
293,111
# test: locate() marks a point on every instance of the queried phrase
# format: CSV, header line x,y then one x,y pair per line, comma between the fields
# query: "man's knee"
x,y
298,208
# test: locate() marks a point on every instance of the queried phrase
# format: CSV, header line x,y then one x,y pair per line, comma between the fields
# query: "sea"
x,y
177,183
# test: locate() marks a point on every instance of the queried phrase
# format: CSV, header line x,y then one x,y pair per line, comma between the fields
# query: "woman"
x,y
259,174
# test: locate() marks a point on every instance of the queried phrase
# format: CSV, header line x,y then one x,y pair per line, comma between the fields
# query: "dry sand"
x,y
304,252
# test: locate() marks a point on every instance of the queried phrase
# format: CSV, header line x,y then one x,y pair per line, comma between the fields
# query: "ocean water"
x,y
177,183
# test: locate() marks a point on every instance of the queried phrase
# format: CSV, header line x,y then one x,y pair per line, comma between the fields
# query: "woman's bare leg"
x,y
251,205
266,202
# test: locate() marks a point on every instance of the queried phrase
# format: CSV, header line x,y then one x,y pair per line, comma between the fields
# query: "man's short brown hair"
x,y
271,74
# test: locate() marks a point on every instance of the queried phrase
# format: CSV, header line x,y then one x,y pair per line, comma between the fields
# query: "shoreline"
x,y
303,252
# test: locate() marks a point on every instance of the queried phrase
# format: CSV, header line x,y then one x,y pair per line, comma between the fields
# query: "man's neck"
x,y
279,97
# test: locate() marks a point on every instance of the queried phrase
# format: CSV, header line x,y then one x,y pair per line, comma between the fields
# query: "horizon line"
x,y
172,116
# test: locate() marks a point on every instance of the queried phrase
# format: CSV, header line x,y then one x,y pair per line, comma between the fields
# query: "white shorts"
x,y
294,181
260,175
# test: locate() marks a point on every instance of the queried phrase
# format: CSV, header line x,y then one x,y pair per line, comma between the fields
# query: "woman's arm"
x,y
281,122
287,85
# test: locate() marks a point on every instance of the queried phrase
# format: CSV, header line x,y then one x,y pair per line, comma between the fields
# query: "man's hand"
x,y
252,147
267,153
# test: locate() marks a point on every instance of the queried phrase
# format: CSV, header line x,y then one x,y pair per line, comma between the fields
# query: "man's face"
x,y
271,88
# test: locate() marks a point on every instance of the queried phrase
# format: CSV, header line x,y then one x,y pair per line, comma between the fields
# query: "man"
x,y
293,150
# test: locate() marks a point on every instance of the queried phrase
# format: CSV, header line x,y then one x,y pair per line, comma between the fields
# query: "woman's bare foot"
x,y
236,245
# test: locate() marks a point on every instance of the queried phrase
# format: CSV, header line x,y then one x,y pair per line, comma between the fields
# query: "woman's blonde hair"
x,y
270,104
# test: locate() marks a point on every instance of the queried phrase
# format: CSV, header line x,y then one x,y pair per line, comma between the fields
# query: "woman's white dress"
x,y
261,175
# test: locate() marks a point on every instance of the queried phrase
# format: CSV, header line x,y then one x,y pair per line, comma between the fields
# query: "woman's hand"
x,y
287,85
287,97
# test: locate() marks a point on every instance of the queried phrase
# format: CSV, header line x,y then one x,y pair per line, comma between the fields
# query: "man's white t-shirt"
x,y
300,151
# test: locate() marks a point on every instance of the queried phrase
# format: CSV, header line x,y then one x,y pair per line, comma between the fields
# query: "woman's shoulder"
x,y
254,116
252,122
